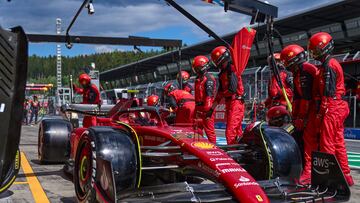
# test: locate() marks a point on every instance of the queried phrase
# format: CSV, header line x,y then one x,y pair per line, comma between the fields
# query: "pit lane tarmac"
x,y
47,183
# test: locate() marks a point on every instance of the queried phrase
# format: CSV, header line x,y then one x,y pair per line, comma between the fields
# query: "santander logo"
x,y
244,179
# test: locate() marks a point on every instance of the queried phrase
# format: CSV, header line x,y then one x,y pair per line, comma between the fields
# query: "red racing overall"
x,y
304,111
205,88
232,89
333,111
183,103
276,96
91,94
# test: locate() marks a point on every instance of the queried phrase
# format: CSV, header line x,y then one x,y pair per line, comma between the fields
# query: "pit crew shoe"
x,y
349,179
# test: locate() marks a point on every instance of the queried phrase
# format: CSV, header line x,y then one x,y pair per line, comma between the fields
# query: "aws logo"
x,y
322,165
203,145
2,107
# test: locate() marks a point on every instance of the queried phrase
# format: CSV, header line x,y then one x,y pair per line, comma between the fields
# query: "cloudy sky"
x,y
121,18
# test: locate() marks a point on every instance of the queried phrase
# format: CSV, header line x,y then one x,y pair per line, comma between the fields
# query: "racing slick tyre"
x,y
272,149
105,164
13,71
54,140
11,174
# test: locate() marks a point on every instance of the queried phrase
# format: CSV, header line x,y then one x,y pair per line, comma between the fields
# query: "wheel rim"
x,y
83,171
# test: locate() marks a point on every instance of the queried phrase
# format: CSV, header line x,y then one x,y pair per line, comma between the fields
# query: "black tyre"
x,y
274,153
54,140
10,176
107,144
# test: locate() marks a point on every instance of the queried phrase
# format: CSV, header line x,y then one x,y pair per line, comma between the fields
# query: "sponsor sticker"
x,y
214,153
259,198
244,179
183,135
203,145
221,159
322,165
246,47
221,166
237,185
232,170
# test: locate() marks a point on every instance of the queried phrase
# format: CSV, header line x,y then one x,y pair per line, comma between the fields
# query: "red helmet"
x,y
320,44
200,64
292,54
84,79
153,100
184,75
169,87
278,116
219,55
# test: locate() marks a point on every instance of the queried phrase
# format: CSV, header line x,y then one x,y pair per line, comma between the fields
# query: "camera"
x,y
90,7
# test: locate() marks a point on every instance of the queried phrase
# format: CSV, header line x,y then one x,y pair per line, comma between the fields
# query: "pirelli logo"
x,y
2,107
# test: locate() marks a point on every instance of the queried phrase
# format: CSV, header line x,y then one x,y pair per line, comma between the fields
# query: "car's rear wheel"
x,y
274,153
92,177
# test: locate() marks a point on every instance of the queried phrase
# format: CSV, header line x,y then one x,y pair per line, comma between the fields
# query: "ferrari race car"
x,y
132,155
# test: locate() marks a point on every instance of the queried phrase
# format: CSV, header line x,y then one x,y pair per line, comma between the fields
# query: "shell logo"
x,y
324,41
203,145
291,53
217,54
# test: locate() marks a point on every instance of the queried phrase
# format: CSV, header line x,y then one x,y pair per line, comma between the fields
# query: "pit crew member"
x,y
183,78
182,103
275,95
304,103
153,100
230,88
333,109
90,92
205,89
34,109
91,95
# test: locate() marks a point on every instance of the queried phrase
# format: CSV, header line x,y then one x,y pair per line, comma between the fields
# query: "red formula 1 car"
x,y
132,155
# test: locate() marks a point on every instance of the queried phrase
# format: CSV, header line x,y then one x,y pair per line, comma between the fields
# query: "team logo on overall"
x,y
203,145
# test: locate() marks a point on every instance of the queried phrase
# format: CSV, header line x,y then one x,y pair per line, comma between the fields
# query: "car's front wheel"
x,y
105,164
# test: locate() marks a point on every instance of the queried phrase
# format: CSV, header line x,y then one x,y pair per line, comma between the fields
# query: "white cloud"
x,y
120,18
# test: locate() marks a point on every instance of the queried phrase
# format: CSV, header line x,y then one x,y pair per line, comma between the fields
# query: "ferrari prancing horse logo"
x,y
203,145
259,198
